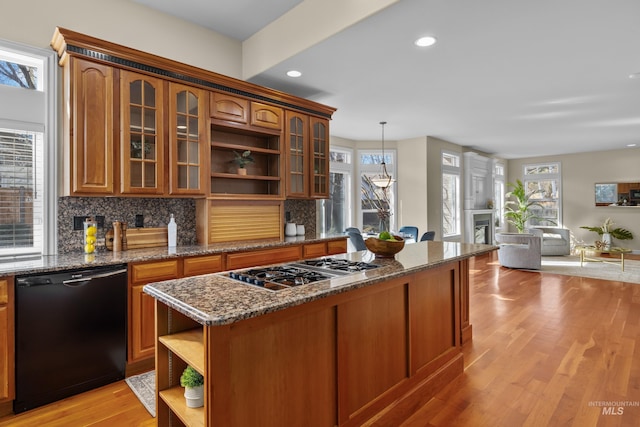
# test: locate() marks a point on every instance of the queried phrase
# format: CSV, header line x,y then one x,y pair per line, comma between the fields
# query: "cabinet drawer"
x,y
202,265
313,250
336,247
154,271
263,257
4,291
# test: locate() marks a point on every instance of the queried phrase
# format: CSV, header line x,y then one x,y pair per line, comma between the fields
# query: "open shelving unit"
x,y
264,176
180,343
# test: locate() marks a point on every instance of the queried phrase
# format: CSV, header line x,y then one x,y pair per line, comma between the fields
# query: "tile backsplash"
x,y
156,213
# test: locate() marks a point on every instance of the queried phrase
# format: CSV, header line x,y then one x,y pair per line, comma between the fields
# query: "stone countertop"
x,y
214,299
43,264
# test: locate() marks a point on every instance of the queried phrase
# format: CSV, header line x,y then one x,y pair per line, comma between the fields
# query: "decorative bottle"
x,y
172,230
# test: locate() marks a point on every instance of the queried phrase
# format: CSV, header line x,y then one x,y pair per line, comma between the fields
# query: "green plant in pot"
x,y
606,232
521,208
193,383
242,160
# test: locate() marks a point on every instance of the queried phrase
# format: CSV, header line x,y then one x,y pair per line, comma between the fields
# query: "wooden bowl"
x,y
385,248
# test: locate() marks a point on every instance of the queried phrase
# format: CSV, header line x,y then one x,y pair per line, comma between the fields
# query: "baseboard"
x,y
6,408
139,367
406,405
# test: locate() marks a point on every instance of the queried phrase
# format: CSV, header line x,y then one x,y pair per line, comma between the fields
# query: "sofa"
x,y
555,240
519,250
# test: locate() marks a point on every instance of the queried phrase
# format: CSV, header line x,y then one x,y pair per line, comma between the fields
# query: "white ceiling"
x,y
511,78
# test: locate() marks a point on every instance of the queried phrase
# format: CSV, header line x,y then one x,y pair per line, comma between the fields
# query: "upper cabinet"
x,y
142,144
140,125
187,139
319,158
307,152
89,126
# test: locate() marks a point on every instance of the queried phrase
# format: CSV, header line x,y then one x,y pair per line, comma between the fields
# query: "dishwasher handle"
x,y
82,280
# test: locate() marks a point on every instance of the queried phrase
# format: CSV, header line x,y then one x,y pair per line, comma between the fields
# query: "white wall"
x,y
579,174
412,183
123,22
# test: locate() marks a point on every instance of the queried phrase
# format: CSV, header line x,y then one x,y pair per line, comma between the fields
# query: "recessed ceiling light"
x,y
294,73
425,41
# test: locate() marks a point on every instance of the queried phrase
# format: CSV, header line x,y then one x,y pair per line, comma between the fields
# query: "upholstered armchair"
x,y
555,241
519,250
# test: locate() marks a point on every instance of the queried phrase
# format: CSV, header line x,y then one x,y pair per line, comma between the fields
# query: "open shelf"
x,y
238,147
263,175
187,345
174,398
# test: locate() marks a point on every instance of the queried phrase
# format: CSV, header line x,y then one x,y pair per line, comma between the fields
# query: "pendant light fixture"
x,y
383,180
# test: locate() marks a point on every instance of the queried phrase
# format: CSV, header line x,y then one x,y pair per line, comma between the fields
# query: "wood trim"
x,y
67,42
7,341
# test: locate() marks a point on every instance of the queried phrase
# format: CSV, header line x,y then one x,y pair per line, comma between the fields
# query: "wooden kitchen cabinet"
x,y
266,116
229,109
241,113
89,128
7,340
142,124
205,264
307,148
188,136
141,337
319,158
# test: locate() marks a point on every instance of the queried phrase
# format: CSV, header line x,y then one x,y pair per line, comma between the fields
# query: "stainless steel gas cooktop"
x,y
276,278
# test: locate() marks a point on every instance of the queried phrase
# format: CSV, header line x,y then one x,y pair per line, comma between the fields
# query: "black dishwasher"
x,y
71,333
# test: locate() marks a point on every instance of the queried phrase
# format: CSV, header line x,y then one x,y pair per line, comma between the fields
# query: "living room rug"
x,y
144,387
570,265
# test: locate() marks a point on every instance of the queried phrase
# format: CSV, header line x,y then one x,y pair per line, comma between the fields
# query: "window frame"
x,y
45,122
390,157
454,170
345,168
536,177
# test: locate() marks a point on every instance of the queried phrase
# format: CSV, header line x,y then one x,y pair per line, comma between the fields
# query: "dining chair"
x,y
352,229
429,235
411,230
357,241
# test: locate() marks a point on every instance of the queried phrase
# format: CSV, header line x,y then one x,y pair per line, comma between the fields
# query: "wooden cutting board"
x,y
138,238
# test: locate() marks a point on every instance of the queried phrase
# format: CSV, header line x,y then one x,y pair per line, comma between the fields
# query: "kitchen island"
x,y
343,351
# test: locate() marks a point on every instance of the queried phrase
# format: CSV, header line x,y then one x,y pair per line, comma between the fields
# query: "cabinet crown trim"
x,y
67,42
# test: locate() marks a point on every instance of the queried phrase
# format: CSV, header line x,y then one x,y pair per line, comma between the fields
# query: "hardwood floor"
x,y
547,350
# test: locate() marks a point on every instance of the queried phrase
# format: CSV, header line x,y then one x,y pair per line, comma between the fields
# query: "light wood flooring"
x,y
547,350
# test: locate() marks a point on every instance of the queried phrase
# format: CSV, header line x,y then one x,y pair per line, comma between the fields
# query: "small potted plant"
x,y
242,160
193,383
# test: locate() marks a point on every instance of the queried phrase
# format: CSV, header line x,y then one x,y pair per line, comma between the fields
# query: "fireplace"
x,y
479,226
482,229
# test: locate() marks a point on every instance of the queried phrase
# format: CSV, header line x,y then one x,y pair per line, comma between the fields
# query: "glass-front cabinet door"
x,y
297,137
319,158
142,148
188,139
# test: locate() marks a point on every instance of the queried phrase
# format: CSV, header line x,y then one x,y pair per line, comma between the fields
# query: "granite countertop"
x,y
214,299
42,264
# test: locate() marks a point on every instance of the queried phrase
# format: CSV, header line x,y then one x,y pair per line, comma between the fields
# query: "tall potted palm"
x,y
520,207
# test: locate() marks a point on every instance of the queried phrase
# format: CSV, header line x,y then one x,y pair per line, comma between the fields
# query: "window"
x,y
375,201
450,194
499,191
543,181
27,135
334,213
